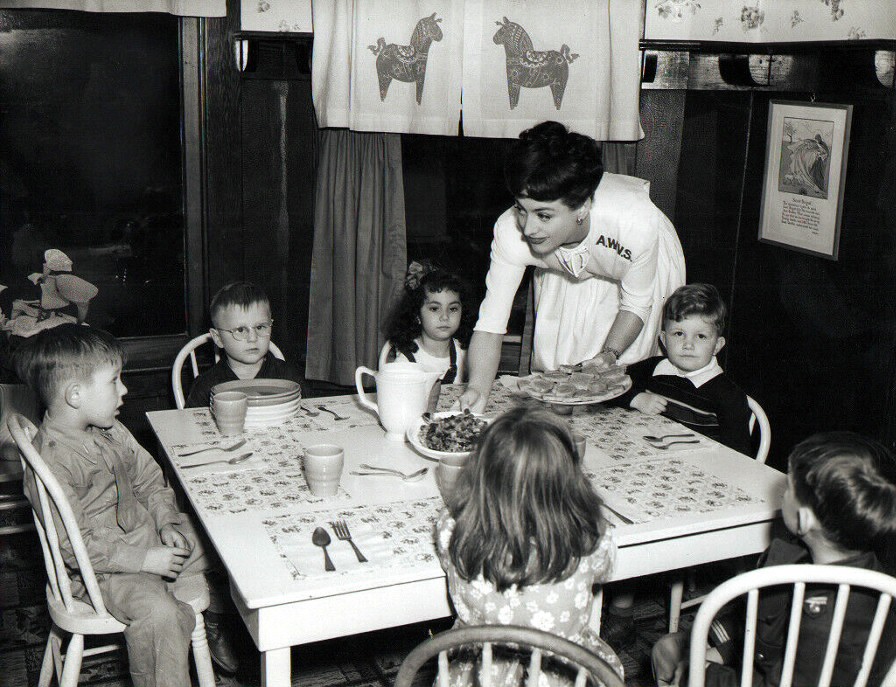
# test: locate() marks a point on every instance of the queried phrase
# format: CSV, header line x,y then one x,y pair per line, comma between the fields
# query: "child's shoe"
x,y
219,644
618,630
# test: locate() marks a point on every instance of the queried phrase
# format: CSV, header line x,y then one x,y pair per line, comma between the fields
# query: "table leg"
x,y
275,669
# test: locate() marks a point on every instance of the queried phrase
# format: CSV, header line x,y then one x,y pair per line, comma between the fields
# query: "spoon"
x,y
239,444
332,412
663,447
383,472
232,461
650,437
321,538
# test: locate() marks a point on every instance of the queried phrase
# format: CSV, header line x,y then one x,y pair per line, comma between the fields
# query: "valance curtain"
x,y
410,66
388,65
359,256
184,8
770,21
575,61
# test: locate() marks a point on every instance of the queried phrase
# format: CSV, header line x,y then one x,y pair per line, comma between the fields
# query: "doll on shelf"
x,y
59,289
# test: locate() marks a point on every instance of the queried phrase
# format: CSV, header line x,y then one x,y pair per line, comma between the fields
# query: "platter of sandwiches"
x,y
574,385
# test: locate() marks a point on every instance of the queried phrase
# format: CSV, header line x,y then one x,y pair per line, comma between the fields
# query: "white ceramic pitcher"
x,y
402,394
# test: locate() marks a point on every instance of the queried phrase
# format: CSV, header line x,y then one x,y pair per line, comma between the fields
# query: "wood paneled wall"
x,y
813,340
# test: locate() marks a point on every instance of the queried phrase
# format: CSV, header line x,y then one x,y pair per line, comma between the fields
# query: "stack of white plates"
x,y
271,401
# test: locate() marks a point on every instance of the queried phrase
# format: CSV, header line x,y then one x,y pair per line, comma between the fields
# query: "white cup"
x,y
580,442
229,410
447,472
323,468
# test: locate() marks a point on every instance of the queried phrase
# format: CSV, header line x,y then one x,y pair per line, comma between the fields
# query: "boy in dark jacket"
x,y
241,327
688,385
841,504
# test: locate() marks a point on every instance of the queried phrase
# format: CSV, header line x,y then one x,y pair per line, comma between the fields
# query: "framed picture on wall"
x,y
805,172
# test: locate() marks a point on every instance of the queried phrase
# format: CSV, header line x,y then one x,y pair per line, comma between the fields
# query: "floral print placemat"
x,y
391,535
668,487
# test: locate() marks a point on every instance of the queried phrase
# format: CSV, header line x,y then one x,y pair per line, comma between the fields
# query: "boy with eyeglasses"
x,y
241,325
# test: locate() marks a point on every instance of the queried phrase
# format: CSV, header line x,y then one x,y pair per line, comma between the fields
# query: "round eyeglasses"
x,y
242,333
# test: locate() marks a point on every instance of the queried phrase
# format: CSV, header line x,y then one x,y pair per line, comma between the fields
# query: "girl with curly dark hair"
x,y
432,323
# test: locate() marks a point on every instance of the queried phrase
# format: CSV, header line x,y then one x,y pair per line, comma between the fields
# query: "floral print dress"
x,y
562,608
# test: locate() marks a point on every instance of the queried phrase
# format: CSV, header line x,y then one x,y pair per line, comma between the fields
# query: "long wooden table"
x,y
689,505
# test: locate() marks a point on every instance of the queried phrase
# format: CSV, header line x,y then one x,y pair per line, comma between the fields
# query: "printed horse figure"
x,y
530,68
406,62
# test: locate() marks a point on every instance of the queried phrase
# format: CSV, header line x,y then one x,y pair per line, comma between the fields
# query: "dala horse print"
x,y
531,68
406,62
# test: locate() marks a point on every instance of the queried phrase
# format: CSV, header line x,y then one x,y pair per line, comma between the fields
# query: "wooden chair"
x,y
750,584
676,594
588,667
71,615
189,351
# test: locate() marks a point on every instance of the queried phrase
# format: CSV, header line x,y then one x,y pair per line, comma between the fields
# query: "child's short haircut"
x,y
50,360
849,482
696,299
240,294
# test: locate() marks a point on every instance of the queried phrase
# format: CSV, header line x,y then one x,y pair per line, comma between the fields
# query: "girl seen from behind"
x,y
522,539
431,324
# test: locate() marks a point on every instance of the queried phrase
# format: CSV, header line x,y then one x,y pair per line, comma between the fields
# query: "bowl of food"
x,y
449,434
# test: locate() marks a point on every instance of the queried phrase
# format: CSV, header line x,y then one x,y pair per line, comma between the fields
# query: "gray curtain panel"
x,y
360,253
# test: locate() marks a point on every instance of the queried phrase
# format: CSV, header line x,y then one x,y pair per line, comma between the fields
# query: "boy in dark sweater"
x,y
840,506
688,385
241,326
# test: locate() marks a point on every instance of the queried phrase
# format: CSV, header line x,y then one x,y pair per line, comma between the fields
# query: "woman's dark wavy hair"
x,y
525,512
549,162
849,482
403,324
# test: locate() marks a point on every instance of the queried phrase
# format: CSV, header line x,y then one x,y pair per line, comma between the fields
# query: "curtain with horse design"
x,y
574,61
399,66
388,65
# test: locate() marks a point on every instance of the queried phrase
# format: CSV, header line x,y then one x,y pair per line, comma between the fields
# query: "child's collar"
x,y
697,377
78,440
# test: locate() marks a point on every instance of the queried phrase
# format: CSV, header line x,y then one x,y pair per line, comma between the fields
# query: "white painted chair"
x,y
759,417
538,646
846,578
189,351
676,594
74,616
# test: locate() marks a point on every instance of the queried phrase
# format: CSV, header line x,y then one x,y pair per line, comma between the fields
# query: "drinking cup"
x,y
580,442
323,468
447,472
229,410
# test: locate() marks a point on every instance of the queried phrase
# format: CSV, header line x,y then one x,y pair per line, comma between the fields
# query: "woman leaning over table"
x,y
605,256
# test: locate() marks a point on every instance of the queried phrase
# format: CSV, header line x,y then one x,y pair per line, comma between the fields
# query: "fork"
x,y
342,533
332,412
672,443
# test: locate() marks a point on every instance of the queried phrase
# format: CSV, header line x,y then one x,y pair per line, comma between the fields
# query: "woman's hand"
x,y
649,403
602,361
472,399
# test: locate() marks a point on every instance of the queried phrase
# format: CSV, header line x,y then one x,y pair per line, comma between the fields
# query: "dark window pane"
x,y
91,161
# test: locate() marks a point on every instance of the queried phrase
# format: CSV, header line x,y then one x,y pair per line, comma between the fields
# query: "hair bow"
x,y
416,272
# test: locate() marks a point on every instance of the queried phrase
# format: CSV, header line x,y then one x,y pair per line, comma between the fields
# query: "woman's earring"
x,y
580,220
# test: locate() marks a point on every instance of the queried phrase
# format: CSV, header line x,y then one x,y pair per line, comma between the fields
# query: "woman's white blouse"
x,y
635,262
